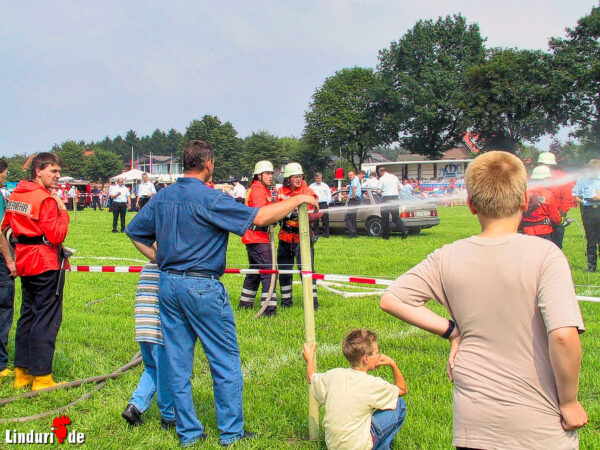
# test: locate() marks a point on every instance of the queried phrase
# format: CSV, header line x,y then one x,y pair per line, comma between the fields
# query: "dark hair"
x,y
43,160
357,344
3,165
196,154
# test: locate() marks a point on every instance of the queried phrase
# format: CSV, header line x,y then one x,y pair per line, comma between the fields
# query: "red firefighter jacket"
x,y
31,211
284,193
563,193
543,216
258,195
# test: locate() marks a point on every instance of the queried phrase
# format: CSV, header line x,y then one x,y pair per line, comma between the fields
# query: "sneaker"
x,y
115,231
246,435
132,415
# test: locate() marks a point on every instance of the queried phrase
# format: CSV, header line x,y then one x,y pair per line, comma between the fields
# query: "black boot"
x,y
167,425
132,415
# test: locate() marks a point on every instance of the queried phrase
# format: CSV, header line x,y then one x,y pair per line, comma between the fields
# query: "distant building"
x,y
452,165
165,168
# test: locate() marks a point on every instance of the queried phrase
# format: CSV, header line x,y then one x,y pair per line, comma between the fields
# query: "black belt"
x,y
29,240
255,228
193,274
529,223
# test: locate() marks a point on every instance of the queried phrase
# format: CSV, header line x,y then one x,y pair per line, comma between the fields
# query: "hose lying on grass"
x,y
100,379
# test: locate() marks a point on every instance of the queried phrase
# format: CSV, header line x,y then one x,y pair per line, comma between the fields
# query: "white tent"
x,y
131,176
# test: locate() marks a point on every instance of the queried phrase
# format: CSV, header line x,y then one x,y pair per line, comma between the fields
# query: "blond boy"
x,y
515,352
361,411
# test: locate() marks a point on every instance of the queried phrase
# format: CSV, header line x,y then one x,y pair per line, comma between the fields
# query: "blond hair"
x,y
357,344
496,182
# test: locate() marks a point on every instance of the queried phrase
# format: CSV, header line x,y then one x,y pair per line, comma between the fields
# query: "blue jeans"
x,y
386,423
7,295
198,308
154,380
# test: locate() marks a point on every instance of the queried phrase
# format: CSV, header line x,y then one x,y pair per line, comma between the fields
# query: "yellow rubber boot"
x,y
43,382
6,373
22,378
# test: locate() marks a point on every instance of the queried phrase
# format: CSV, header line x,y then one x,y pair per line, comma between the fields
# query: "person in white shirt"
x,y
371,181
324,193
239,191
120,196
71,196
407,191
389,187
145,191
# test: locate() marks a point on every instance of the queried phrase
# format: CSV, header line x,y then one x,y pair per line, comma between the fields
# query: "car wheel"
x,y
373,226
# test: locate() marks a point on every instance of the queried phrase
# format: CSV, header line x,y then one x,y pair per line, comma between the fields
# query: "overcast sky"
x,y
85,70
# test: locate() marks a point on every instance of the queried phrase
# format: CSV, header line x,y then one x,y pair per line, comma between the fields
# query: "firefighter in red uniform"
x,y
289,238
542,213
257,242
39,222
563,194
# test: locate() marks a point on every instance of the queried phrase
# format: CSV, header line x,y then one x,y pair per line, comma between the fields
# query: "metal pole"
x,y
309,312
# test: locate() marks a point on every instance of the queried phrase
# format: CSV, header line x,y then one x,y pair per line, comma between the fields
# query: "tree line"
x,y
435,83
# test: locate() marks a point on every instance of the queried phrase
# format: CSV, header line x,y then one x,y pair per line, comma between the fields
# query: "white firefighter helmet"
x,y
292,169
547,158
540,173
262,167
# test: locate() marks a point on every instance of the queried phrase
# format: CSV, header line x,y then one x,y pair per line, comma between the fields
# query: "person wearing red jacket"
x,y
563,193
289,238
542,213
39,222
257,242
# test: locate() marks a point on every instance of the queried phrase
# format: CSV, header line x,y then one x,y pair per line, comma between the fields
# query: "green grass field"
x,y
99,338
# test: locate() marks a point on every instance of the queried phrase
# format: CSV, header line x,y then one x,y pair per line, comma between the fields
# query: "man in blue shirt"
x,y
185,229
354,193
587,194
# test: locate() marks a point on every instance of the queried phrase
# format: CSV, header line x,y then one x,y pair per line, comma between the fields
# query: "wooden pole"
x,y
309,312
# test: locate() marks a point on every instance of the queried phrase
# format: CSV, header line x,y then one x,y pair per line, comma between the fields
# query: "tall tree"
x,y
577,67
15,168
71,155
174,138
102,165
223,138
424,72
259,146
511,97
122,148
313,158
343,117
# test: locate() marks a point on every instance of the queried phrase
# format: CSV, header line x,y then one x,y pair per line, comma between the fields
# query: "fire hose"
x,y
100,379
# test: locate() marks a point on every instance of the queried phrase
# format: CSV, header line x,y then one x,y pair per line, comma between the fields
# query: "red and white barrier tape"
x,y
316,276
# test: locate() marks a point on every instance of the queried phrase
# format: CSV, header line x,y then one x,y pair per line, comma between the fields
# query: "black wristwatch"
x,y
451,326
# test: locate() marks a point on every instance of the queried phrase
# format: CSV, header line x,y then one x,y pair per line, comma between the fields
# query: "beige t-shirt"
x,y
505,295
350,397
